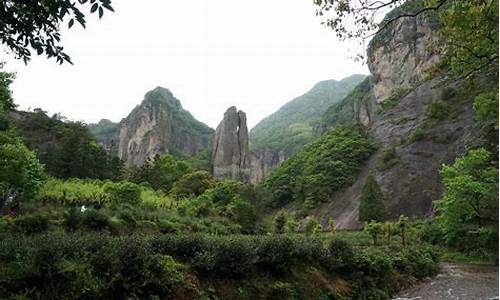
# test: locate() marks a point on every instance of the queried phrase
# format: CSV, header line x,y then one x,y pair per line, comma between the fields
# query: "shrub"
x,y
388,159
280,222
437,111
94,219
371,206
417,135
312,226
123,192
31,224
341,256
192,184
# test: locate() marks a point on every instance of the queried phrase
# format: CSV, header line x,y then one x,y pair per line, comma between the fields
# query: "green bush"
x,y
123,192
321,168
31,224
371,207
95,219
388,159
341,256
192,184
85,266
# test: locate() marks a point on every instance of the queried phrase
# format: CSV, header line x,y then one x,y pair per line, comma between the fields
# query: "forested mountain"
x,y
420,117
290,128
107,133
407,161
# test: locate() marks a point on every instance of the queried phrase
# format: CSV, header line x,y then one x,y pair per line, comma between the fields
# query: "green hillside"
x,y
290,128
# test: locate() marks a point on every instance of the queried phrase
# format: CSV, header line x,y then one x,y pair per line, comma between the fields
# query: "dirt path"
x,y
459,282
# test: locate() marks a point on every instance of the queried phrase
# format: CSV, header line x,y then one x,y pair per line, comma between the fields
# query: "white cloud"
x,y
256,55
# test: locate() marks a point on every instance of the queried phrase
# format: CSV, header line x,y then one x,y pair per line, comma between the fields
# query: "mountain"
x,y
290,128
418,124
157,126
107,133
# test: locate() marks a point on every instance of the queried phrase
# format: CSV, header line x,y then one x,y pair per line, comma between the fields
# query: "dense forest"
x,y
77,222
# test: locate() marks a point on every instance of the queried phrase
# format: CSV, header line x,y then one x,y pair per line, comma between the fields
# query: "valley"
x,y
378,186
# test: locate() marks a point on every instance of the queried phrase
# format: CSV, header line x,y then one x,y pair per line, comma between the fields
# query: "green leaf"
x,y
71,22
101,12
94,7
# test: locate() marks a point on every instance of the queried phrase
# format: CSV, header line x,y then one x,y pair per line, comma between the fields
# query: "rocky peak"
x,y
160,125
230,154
399,55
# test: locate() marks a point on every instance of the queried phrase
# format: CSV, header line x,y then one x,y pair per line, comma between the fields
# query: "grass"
x,y
451,255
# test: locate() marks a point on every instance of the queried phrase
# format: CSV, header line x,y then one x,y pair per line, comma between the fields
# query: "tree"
x,y
374,229
371,206
468,209
20,171
192,184
312,226
280,222
35,25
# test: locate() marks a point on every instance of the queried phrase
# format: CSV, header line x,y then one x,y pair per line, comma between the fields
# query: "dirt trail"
x,y
459,282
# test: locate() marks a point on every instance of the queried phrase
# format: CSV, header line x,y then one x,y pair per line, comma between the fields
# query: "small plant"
x,y
280,222
331,226
375,229
402,226
417,135
312,226
388,159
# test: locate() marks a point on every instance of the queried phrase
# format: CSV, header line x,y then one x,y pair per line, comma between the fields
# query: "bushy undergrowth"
x,y
83,266
322,168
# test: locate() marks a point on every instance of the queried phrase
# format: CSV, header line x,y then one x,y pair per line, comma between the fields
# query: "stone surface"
x,y
263,162
411,184
160,125
230,152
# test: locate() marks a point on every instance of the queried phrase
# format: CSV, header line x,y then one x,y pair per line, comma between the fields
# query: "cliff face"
x,y
160,125
263,162
396,107
230,152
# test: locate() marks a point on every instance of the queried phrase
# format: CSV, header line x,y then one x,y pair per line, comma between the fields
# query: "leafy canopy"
x,y
35,25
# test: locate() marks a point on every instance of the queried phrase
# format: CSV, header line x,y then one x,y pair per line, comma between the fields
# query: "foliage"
x,y
123,192
85,266
322,168
192,184
312,226
6,101
468,210
36,26
345,111
280,222
486,115
161,173
67,149
468,39
290,128
20,171
375,229
388,159
371,206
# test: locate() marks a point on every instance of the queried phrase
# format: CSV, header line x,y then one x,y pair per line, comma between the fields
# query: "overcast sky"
x,y
256,55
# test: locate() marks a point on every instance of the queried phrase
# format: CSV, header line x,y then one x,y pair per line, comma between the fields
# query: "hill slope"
x,y
290,128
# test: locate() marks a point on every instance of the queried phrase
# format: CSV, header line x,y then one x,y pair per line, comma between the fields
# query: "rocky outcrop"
x,y
263,162
419,144
160,125
230,151
399,55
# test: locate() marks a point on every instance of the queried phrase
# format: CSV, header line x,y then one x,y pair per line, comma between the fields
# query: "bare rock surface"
x,y
230,152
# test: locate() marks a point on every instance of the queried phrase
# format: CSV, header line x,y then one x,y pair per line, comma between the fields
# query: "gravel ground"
x,y
459,282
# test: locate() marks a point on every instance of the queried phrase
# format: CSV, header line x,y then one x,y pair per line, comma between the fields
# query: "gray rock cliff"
x,y
230,151
160,125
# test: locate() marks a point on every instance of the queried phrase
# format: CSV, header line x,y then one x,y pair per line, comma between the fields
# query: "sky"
x,y
256,55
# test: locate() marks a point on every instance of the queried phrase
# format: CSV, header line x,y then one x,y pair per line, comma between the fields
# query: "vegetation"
x,y
371,207
325,166
468,210
290,128
388,159
344,112
36,25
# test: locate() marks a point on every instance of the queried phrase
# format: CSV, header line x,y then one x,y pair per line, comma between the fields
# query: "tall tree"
x,y
371,206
